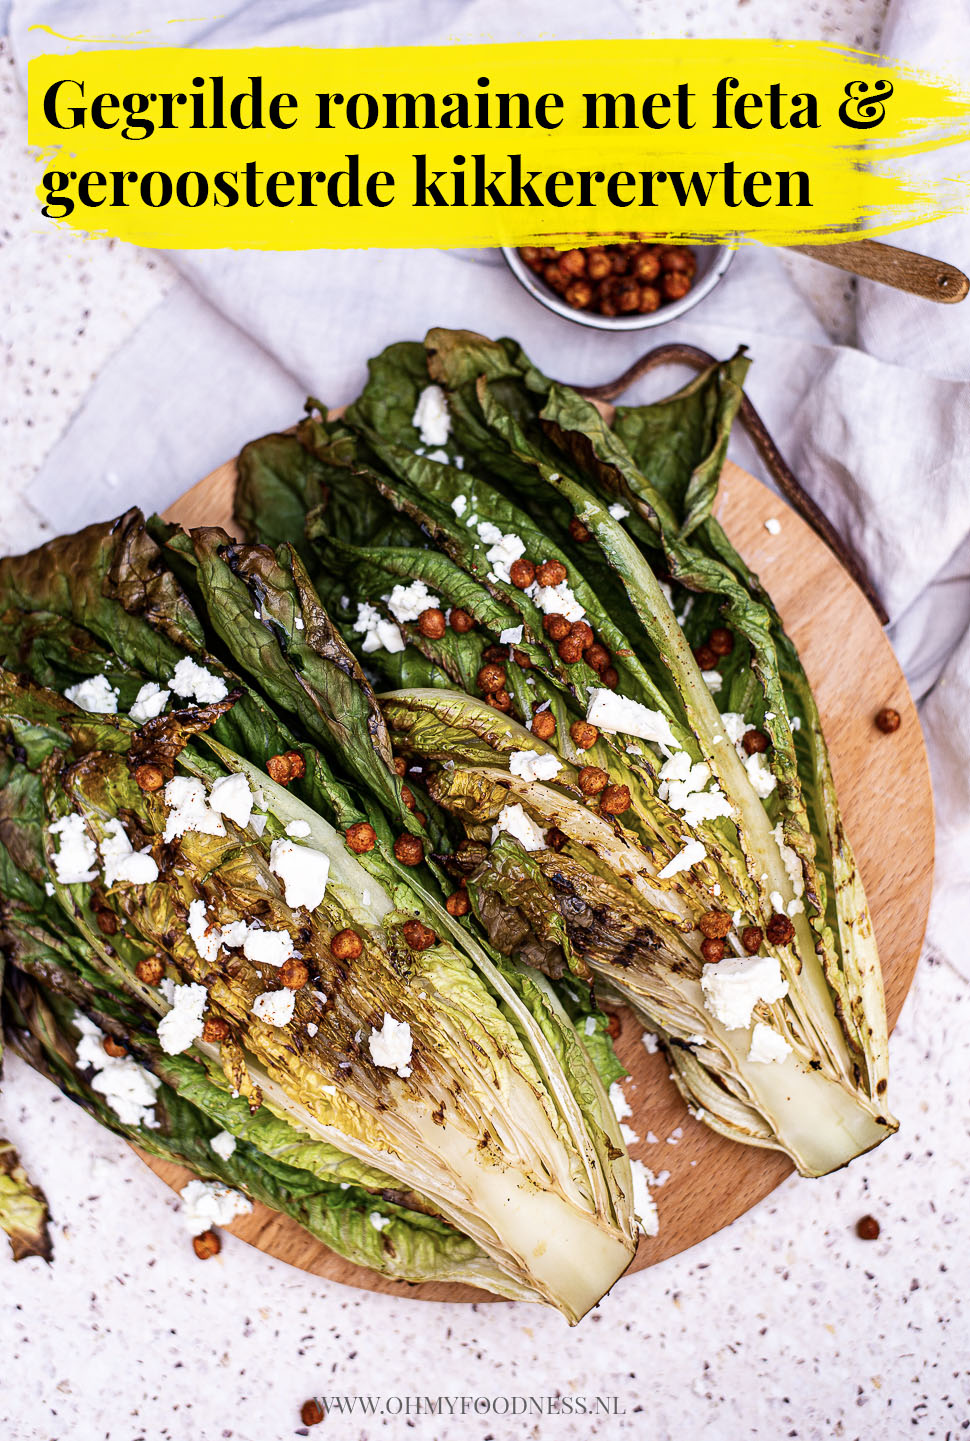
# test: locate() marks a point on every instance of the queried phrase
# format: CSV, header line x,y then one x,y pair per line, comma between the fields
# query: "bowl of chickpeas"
x,y
627,286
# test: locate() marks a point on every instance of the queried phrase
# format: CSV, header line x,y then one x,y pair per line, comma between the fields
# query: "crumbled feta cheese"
x,y
760,775
231,796
298,622
459,505
268,948
589,1026
121,862
735,727
502,549
125,1085
618,511
644,1206
796,723
391,1045
512,635
682,786
406,602
298,830
612,712
75,861
431,416
713,679
513,820
189,809
182,1026
556,600
378,632
206,936
378,1221
150,701
791,860
733,987
194,682
258,824
312,1028
206,1204
767,1045
532,766
95,694
772,526
439,455
651,1139
302,870
621,1106
48,888
234,934
691,855
223,1143
275,1007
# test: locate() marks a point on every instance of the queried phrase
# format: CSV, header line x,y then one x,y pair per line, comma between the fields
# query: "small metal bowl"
x,y
712,261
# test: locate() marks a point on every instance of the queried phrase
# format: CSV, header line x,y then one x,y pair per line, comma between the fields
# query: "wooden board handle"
x,y
903,269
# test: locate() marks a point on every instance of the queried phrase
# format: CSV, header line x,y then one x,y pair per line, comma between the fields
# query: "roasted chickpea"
x,y
407,796
113,1048
721,640
597,657
150,970
715,924
400,766
278,769
460,620
754,742
888,720
346,946
627,297
522,573
491,677
579,532
705,657
532,257
579,294
206,1245
598,264
678,257
556,626
311,1412
294,974
543,725
555,838
712,948
215,1030
573,262
409,850
592,780
615,800
418,936
620,259
583,735
521,660
779,930
551,572
751,938
610,678
583,631
500,700
458,904
361,837
570,649
555,277
431,623
646,266
674,284
148,777
648,300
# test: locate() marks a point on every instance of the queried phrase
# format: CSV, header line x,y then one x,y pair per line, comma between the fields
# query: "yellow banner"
x,y
549,142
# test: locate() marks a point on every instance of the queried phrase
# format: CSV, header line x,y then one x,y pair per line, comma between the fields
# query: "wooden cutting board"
x,y
884,788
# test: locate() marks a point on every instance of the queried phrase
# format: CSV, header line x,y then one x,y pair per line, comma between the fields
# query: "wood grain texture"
x,y
889,264
884,788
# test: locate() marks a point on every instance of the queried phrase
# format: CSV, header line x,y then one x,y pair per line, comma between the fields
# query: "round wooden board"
x,y
884,788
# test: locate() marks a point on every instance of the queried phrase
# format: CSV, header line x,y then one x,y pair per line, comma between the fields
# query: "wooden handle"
x,y
903,269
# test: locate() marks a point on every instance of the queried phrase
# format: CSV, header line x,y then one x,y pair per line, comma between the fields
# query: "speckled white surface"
x,y
785,1325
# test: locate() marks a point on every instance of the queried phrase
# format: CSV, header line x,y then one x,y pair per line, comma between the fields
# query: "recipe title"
x,y
497,144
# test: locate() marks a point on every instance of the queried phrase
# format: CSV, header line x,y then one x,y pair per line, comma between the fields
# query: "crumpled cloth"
x,y
879,432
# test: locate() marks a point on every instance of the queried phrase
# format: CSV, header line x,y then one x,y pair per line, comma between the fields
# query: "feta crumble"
x,y
121,862
512,635
772,526
268,948
513,820
760,775
125,1085
206,1204
206,937
391,1046
651,1044
231,796
644,1206
459,505
75,861
682,786
502,549
691,855
378,632
378,1221
767,1045
618,511
431,416
182,1026
621,1106
733,987
303,871
194,682
223,1143
556,600
713,679
612,713
298,830
189,810
95,694
533,766
275,1007
406,602
150,701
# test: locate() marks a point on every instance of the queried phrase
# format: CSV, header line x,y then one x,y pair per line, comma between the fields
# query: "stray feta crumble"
x,y
275,1007
406,602
231,796
303,871
125,1085
182,1026
589,1026
391,1046
75,862
533,766
512,635
121,862
502,549
733,987
612,712
621,1106
513,820
312,1028
772,526
48,888
767,1045
223,1143
760,775
378,1221
378,632
431,416
618,511
189,809
459,505
556,600
682,786
713,679
194,682
206,937
650,1043
206,1204
298,830
644,1206
95,694
268,948
692,853
298,622
150,701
